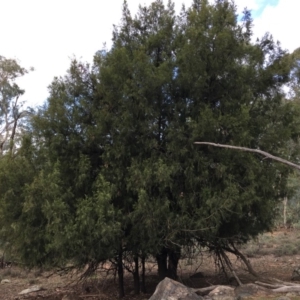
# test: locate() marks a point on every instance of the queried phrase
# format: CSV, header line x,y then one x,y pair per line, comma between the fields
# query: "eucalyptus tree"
x,y
12,112
15,171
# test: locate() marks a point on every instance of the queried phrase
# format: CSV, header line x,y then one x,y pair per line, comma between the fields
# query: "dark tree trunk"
x,y
174,256
136,275
161,259
2,262
121,273
167,262
143,285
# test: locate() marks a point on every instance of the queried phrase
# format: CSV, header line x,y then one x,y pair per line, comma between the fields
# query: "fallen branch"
x,y
268,285
204,291
286,289
285,282
284,161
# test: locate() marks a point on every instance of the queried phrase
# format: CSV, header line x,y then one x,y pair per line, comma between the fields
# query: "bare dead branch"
x,y
266,154
268,285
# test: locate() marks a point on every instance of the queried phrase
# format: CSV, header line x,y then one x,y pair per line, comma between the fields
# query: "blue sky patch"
x,y
262,5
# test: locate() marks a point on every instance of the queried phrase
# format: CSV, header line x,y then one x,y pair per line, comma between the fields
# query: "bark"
x,y
121,273
174,256
12,137
161,259
143,285
136,275
167,262
285,200
2,262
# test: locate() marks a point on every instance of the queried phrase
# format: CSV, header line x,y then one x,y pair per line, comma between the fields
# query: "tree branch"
x,y
286,162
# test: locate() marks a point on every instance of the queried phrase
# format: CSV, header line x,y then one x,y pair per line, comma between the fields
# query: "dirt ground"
x,y
273,255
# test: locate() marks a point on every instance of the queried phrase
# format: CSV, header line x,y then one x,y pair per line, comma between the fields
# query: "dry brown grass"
x,y
272,255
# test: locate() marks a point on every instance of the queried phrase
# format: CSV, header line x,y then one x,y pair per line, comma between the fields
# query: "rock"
x,y
5,281
222,293
169,289
31,289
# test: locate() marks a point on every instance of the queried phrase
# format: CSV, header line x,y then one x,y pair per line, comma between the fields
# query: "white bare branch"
x,y
266,154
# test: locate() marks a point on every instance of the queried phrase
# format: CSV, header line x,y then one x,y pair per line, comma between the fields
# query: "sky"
x,y
47,34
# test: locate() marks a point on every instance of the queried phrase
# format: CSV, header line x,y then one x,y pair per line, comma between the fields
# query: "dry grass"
x,y
283,243
272,255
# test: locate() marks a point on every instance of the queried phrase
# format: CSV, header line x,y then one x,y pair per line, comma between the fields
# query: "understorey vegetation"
x,y
108,169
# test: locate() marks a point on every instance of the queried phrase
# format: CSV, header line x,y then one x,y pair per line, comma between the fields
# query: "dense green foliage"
x,y
110,169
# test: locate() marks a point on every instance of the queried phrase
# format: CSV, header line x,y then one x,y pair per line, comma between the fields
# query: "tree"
x,y
170,81
290,197
11,113
15,172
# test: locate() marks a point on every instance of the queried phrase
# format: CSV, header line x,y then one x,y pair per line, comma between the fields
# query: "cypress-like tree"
x,y
169,81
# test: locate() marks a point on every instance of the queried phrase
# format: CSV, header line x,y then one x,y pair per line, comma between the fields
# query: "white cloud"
x,y
282,22
250,4
45,34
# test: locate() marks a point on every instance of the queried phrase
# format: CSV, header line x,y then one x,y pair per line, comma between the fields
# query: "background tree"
x,y
290,209
11,109
15,171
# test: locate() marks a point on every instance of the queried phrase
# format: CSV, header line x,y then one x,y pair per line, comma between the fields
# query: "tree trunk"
x,y
121,273
143,285
174,256
12,137
161,259
285,200
136,275
2,262
167,262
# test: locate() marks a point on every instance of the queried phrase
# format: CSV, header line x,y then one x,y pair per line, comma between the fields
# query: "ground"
x,y
273,255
